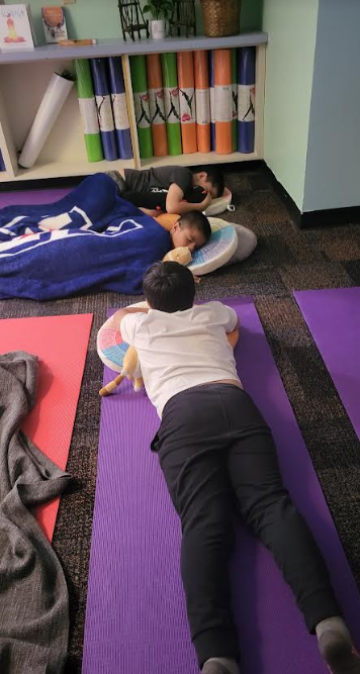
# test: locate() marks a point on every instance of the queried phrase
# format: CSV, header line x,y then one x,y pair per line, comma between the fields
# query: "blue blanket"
x,y
90,240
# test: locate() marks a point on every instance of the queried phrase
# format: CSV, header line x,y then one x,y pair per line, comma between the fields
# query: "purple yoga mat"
x,y
32,197
333,317
135,616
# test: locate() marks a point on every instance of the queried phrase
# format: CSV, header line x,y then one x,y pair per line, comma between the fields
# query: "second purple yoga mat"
x,y
333,317
135,616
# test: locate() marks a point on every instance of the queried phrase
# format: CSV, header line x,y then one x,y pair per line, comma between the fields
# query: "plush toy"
x,y
181,255
131,368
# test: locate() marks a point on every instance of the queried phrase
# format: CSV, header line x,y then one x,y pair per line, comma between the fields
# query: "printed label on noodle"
x,y
187,105
157,106
223,102
172,106
142,110
246,102
234,94
202,97
106,120
89,115
120,111
212,105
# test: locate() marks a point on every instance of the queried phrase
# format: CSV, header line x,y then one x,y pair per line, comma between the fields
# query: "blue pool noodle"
x,y
246,75
99,69
117,87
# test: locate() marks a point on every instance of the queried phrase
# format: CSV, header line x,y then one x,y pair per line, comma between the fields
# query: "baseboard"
x,y
330,217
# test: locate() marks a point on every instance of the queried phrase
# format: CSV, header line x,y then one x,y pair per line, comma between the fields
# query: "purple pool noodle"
x,y
118,98
246,99
135,617
333,317
99,69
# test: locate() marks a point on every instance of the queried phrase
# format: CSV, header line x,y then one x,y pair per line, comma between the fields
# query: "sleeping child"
x,y
171,189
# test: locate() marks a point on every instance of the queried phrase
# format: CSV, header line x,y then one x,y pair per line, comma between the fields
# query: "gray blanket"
x,y
34,618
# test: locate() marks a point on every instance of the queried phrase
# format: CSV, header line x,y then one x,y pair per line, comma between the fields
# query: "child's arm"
x,y
175,203
120,313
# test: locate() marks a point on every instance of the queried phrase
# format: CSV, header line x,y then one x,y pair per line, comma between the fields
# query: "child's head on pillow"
x,y
191,230
168,286
210,178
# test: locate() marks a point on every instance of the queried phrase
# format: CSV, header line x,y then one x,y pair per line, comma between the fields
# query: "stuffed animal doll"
x,y
131,368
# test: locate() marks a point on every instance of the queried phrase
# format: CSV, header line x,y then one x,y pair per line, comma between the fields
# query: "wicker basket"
x,y
221,17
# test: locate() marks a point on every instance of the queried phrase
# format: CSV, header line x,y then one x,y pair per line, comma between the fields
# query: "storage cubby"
x,y
23,80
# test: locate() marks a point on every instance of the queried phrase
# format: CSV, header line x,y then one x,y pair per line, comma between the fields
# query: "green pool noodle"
x,y
234,81
142,107
88,110
172,106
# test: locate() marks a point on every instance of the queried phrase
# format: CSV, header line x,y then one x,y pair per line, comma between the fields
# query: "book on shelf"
x,y
54,23
16,29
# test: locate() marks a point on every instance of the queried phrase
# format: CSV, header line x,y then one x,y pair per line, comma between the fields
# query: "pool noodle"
x,y
202,97
118,100
142,107
172,107
157,105
223,101
234,95
212,100
185,65
246,100
100,73
88,110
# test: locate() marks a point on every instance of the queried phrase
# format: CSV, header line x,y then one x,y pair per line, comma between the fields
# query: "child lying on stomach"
x,y
171,189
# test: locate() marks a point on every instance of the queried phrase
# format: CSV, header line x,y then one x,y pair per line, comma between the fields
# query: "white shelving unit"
x,y
25,75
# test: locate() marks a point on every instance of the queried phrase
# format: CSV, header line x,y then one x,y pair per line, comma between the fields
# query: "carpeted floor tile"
x,y
286,259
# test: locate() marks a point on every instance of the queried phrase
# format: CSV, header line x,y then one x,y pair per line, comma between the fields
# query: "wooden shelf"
x,y
120,47
197,159
43,170
24,77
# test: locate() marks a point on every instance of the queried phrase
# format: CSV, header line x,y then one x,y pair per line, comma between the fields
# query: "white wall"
x,y
333,159
291,25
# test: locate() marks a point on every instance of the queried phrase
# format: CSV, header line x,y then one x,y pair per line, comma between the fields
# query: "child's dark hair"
x,y
168,286
214,176
196,220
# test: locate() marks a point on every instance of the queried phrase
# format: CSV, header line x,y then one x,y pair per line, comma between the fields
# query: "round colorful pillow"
x,y
218,251
221,204
110,347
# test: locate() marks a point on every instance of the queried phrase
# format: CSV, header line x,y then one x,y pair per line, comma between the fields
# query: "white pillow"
x,y
221,204
218,251
110,347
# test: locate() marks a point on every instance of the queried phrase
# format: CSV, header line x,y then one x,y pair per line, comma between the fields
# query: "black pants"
x,y
216,450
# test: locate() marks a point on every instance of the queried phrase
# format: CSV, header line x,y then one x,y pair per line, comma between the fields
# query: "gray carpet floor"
x,y
285,259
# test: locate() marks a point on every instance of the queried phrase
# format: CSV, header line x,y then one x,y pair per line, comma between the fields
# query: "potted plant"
x,y
160,10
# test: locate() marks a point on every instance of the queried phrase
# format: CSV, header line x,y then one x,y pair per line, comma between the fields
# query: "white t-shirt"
x,y
183,349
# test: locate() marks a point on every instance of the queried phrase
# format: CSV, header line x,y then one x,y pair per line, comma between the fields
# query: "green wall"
x,y
292,27
100,18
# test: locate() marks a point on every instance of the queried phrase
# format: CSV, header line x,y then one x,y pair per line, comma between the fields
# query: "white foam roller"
x,y
49,110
